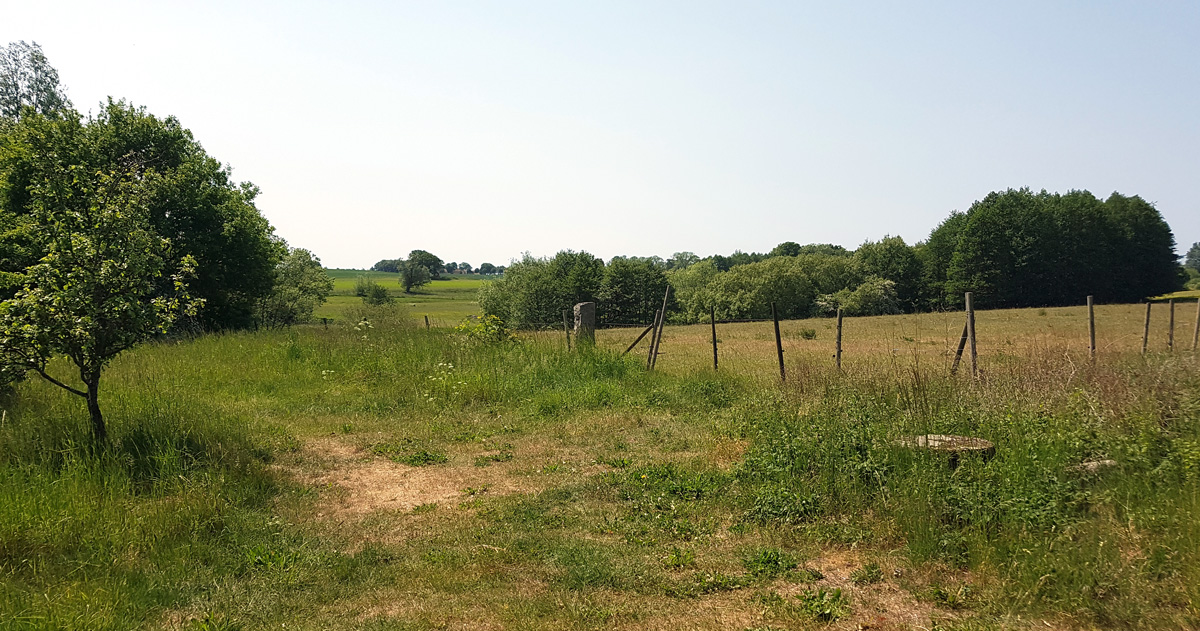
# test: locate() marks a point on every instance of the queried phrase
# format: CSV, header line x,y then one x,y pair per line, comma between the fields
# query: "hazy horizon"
x,y
482,131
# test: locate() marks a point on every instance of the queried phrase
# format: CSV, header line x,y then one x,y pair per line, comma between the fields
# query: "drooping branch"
x,y
58,383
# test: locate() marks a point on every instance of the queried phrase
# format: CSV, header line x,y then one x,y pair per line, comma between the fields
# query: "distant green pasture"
x,y
446,302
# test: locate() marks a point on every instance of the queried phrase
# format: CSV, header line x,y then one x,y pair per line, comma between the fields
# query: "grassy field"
x,y
446,302
388,477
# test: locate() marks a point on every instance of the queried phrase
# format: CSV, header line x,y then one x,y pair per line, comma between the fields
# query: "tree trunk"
x,y
99,431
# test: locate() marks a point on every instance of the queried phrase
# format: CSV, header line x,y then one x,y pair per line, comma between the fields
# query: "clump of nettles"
x,y
488,329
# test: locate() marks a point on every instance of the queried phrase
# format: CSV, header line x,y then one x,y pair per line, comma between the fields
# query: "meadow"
x,y
446,301
380,475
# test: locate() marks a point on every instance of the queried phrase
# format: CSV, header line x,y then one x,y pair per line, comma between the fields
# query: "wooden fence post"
x,y
971,336
325,322
1171,325
1196,328
838,352
712,319
567,326
662,321
653,339
639,338
962,344
1146,329
426,323
778,343
1091,326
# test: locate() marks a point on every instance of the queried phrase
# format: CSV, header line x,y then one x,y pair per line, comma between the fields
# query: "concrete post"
x,y
585,323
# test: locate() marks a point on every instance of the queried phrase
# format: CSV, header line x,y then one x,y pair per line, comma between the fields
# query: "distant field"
x,y
446,302
927,339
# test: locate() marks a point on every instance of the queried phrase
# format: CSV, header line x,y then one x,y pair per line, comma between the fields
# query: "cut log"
x,y
952,446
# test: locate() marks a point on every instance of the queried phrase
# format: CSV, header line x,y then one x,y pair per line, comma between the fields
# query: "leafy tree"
x,y
935,255
191,200
534,291
301,285
631,292
105,282
464,267
486,268
28,80
451,267
376,295
787,248
1192,260
413,275
875,296
890,258
431,263
680,260
387,265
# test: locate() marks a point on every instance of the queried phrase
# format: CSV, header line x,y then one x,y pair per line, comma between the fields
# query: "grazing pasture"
x,y
380,476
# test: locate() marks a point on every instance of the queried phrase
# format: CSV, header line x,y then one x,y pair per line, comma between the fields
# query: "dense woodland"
x,y
1015,248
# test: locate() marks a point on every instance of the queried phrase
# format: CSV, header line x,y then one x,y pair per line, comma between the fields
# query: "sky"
x,y
480,131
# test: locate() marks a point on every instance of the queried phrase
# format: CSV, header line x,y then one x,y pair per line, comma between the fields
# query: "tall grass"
x,y
181,519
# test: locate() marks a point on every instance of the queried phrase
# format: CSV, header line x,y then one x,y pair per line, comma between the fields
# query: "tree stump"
x,y
952,446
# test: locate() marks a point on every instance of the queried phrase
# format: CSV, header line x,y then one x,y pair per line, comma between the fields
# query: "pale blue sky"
x,y
481,130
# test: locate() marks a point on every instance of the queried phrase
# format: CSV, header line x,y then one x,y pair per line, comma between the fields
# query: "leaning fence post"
x,y
1091,303
838,353
778,343
653,340
971,336
1146,329
426,323
1171,325
962,344
662,321
712,319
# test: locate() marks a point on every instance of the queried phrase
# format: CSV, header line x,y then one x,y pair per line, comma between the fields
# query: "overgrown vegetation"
x,y
709,486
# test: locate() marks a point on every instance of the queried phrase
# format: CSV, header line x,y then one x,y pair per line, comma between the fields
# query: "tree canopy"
x,y
191,199
27,80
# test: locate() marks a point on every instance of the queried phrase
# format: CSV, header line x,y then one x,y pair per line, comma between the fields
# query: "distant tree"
x,y
631,291
534,291
681,260
935,255
827,249
875,296
28,80
413,275
1192,260
450,267
301,285
387,265
464,268
105,282
787,248
890,258
486,268
376,295
431,263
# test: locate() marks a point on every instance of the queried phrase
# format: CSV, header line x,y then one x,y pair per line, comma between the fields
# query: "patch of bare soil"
x,y
368,484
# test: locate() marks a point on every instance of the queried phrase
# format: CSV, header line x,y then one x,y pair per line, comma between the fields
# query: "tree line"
x,y
1013,248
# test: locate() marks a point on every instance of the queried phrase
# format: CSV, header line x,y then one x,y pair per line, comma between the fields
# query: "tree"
x,y
301,285
413,275
431,263
1192,260
387,265
890,258
191,198
464,267
680,260
534,291
631,291
787,248
486,269
106,280
451,267
28,80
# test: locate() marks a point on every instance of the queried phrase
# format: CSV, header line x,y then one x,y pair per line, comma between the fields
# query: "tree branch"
x,y
59,383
